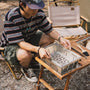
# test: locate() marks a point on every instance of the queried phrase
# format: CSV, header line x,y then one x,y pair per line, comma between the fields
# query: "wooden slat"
x,y
67,82
48,67
46,84
65,75
85,19
52,2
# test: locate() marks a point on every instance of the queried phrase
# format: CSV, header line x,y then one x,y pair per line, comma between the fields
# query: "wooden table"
x,y
83,63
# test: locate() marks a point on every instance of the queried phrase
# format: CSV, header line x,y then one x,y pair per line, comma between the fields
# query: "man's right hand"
x,y
44,54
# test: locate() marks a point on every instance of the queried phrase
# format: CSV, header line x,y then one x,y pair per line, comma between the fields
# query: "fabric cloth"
x,y
17,28
10,54
10,50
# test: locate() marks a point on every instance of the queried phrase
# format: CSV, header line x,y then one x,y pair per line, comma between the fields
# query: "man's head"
x,y
29,8
33,4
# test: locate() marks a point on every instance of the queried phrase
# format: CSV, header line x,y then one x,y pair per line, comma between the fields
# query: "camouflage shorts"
x,y
10,50
10,54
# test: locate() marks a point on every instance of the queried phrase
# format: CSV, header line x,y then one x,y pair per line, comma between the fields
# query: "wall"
x,y
85,10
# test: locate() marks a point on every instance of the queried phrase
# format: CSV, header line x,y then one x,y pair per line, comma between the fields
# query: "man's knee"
x,y
24,57
45,40
23,54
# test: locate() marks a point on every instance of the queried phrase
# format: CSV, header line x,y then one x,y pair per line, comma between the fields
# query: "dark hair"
x,y
24,4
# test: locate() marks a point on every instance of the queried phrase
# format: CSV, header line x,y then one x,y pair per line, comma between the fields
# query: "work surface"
x,y
74,45
55,66
84,61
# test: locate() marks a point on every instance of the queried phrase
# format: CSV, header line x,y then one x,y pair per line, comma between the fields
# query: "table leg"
x,y
40,75
67,82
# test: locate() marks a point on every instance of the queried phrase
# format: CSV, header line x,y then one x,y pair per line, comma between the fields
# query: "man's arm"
x,y
55,35
29,47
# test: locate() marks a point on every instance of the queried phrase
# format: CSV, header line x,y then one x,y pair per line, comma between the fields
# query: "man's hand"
x,y
44,54
56,36
66,43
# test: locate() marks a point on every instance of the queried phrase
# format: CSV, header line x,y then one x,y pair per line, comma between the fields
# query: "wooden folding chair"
x,y
16,74
65,18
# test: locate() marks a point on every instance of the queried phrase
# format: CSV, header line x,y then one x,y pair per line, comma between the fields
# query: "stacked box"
x,y
62,60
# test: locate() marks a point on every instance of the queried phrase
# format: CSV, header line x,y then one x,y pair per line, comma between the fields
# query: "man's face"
x,y
30,12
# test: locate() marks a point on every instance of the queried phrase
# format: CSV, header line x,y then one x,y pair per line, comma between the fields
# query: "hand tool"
x,y
84,51
79,52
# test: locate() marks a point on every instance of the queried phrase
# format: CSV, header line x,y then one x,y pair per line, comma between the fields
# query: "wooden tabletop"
x,y
84,60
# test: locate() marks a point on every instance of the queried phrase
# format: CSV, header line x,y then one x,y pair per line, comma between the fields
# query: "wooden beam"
x,y
46,84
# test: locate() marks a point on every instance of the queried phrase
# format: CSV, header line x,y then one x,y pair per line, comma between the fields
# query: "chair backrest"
x,y
64,15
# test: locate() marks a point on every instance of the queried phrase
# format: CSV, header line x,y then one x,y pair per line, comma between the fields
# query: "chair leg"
x,y
18,78
67,82
40,75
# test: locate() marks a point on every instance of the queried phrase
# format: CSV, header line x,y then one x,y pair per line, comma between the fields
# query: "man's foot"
x,y
29,74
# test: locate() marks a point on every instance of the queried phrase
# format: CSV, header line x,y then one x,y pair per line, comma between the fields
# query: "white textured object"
x,y
68,32
62,59
64,15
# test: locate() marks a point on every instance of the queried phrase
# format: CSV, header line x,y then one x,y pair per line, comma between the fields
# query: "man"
x,y
20,36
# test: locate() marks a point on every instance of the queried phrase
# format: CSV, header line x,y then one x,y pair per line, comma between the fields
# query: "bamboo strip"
x,y
46,84
48,67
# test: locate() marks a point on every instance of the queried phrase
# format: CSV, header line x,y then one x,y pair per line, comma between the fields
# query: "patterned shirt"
x,y
17,28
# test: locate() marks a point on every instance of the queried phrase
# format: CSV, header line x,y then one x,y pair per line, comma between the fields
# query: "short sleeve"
x,y
12,32
44,25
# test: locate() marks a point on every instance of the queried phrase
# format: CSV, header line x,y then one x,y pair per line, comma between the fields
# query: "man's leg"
x,y
24,57
45,40
15,55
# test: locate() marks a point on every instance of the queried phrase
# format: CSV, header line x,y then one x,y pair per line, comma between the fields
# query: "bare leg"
x,y
24,57
45,40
